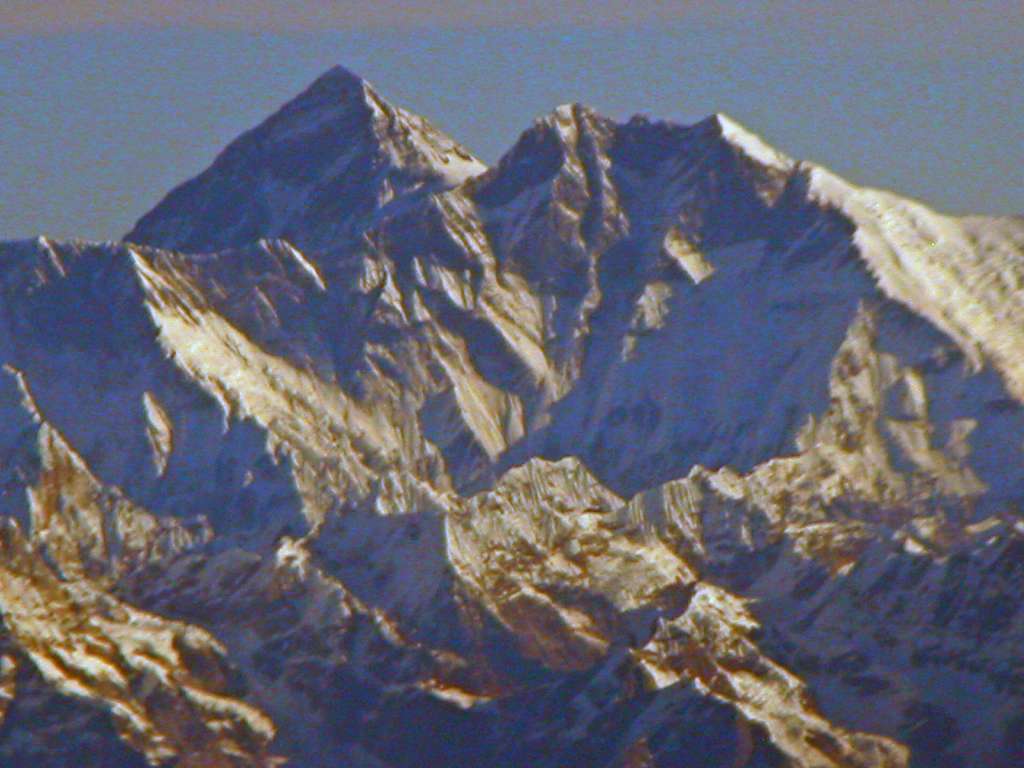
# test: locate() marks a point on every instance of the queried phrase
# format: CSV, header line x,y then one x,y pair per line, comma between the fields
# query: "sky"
x,y
105,105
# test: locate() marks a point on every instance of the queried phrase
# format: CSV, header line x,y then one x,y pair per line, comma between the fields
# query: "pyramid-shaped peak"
x,y
336,76
337,91
340,87
315,172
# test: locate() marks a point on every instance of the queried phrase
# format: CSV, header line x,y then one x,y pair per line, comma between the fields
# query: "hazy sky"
x,y
105,105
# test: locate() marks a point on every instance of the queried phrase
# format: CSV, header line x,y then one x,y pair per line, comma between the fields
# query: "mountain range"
x,y
649,446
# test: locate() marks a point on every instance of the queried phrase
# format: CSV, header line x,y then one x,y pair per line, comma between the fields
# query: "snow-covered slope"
x,y
648,446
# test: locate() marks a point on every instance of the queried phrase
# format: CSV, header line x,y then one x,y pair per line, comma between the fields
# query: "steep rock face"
x,y
77,330
648,446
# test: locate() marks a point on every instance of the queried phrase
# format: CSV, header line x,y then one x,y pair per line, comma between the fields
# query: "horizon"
x,y
886,100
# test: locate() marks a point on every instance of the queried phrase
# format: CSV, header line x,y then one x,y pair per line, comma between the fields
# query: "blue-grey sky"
x,y
107,104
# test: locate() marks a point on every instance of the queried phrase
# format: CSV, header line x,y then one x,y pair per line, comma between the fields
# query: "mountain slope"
x,y
648,446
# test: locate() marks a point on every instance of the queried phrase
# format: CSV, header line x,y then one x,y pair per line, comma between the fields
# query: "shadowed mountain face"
x,y
649,446
315,172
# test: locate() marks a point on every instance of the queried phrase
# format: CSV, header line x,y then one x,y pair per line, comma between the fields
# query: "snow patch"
x,y
752,145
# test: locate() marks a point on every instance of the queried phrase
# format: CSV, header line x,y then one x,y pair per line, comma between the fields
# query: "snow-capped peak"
x,y
410,456
315,172
337,75
572,111
410,141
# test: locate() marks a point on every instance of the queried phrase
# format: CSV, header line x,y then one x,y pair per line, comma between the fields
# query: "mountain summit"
x,y
648,446
314,172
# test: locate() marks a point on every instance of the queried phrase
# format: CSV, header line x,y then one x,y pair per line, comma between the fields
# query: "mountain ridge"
x,y
645,426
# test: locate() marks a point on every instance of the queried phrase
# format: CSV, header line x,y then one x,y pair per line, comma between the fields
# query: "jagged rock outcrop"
x,y
648,446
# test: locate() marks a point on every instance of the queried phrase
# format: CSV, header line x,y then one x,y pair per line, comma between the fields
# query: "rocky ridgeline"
x,y
648,446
